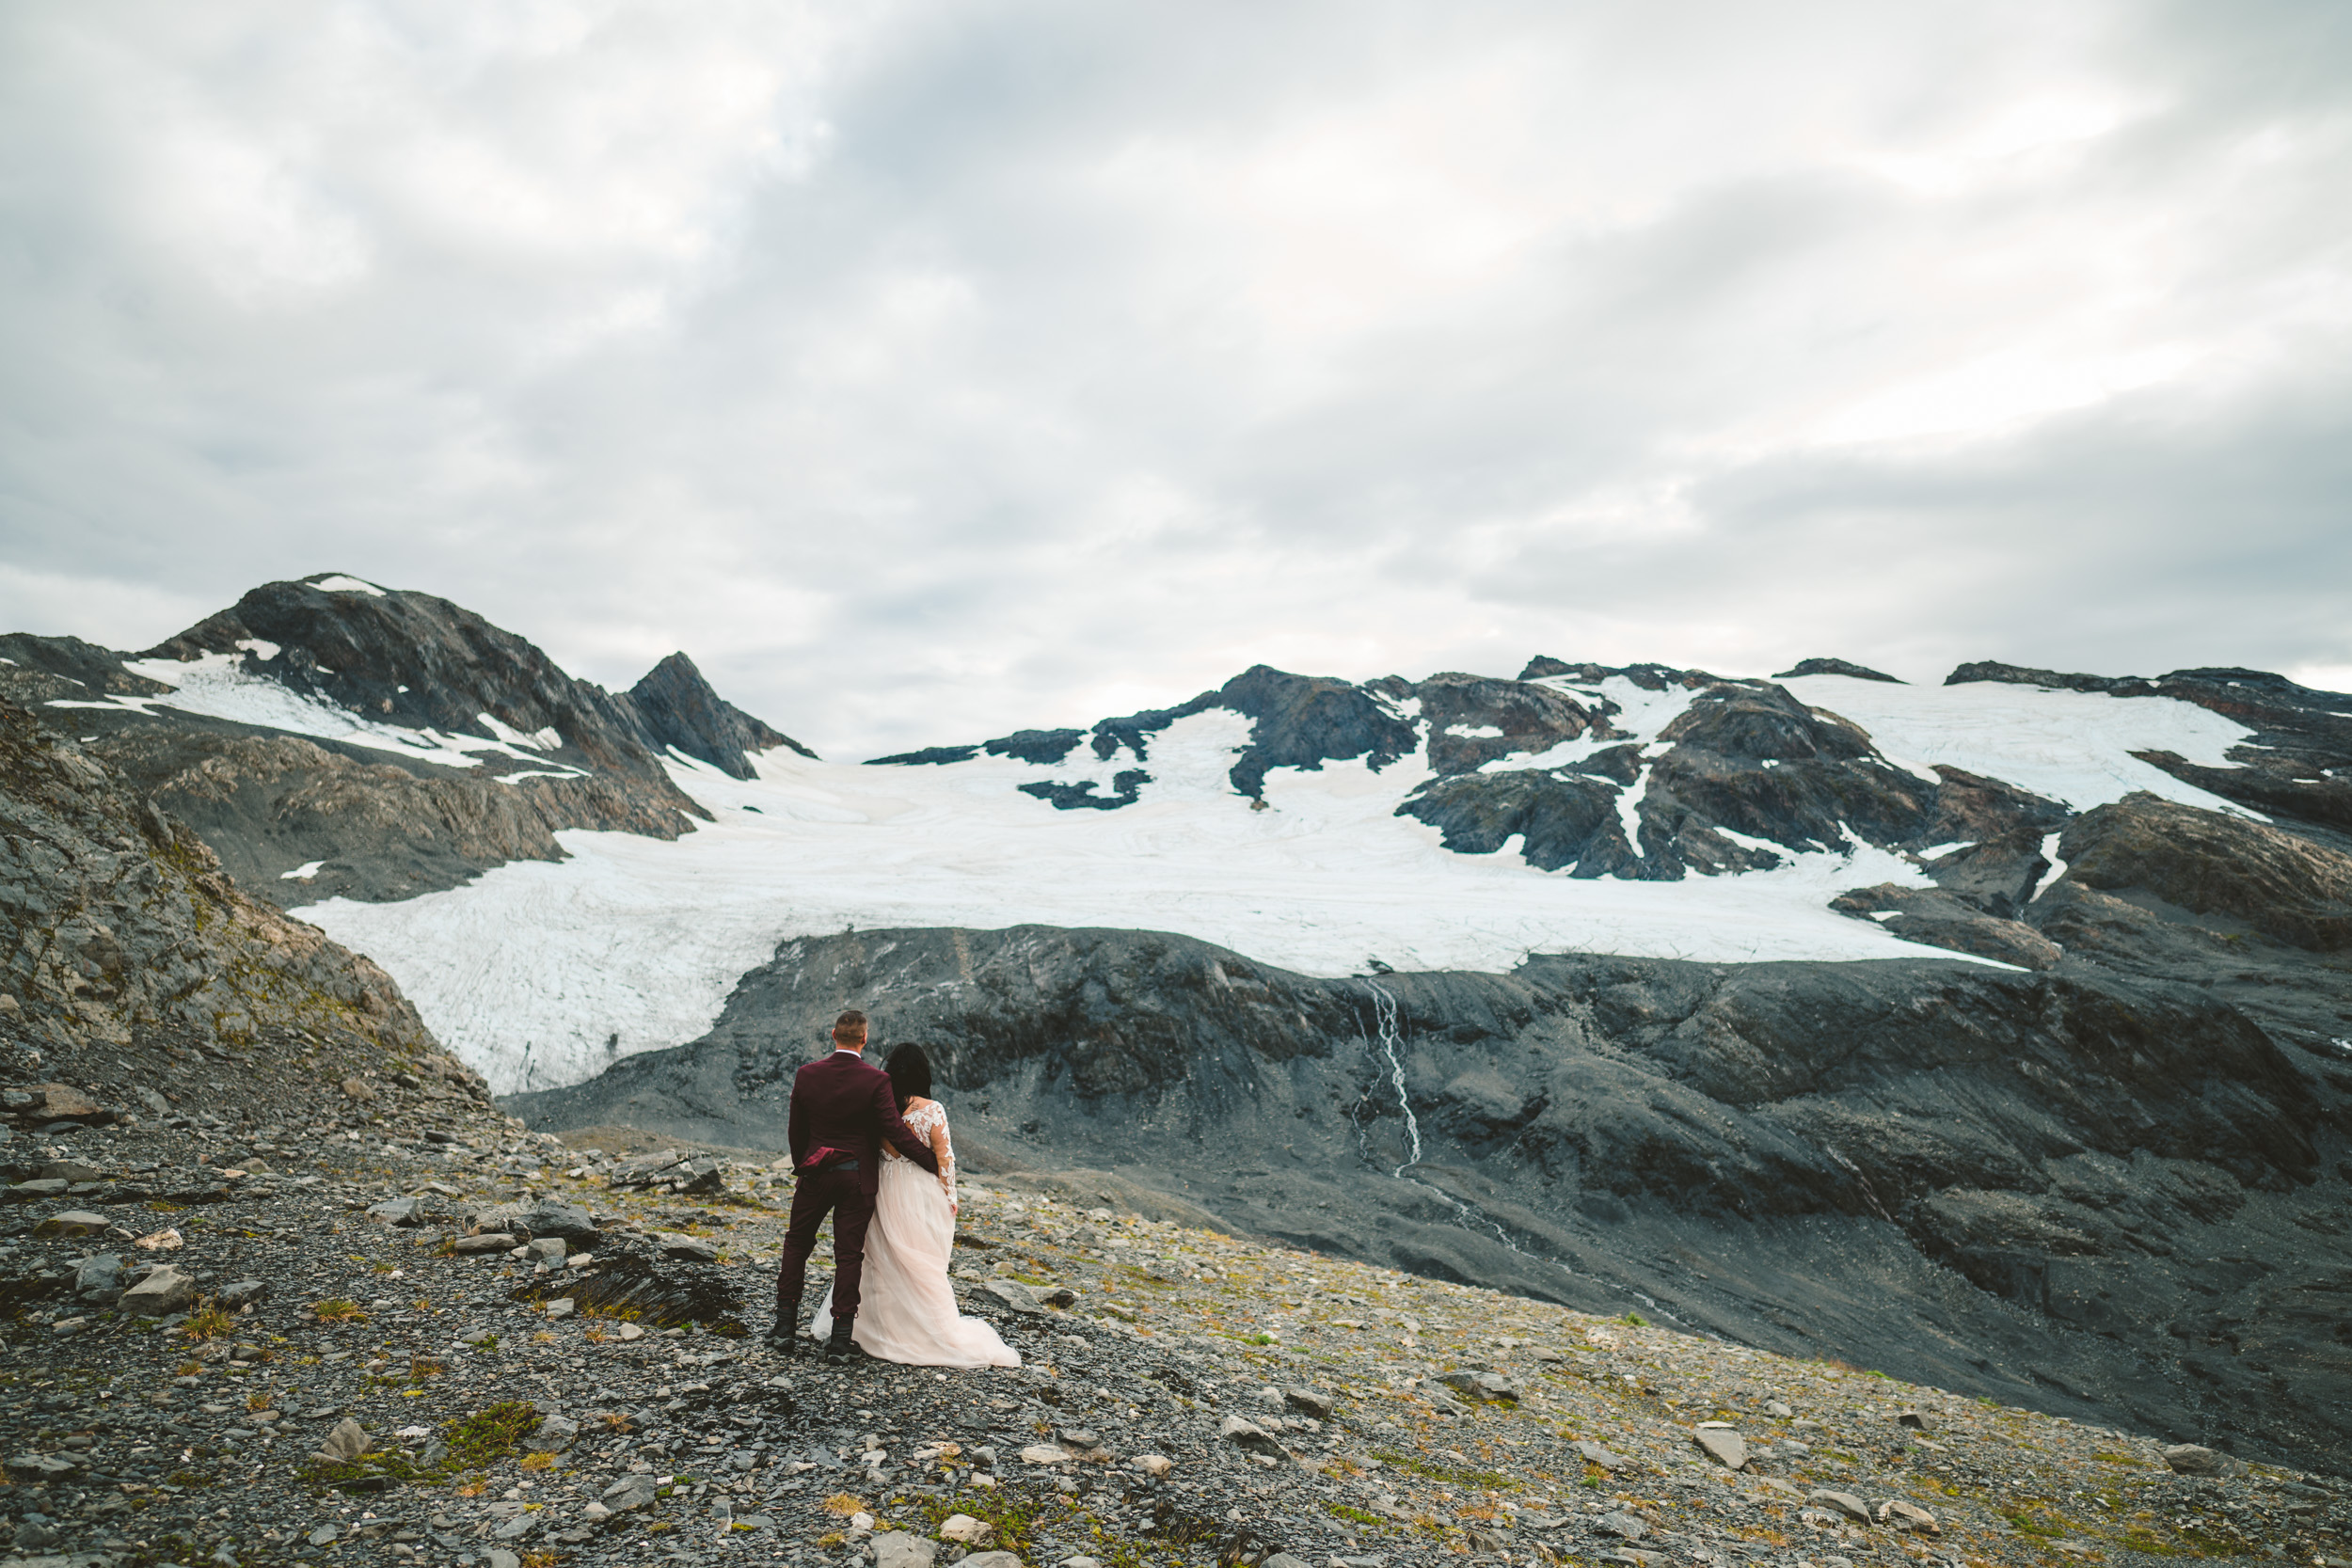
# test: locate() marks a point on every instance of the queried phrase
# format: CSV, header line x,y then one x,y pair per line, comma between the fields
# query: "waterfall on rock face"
x,y
1384,1017
1393,1047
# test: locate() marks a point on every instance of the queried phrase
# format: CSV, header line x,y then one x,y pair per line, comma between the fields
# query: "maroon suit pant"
x,y
840,1193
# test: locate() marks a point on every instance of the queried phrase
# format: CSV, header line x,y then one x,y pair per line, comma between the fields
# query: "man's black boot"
x,y
841,1347
783,1339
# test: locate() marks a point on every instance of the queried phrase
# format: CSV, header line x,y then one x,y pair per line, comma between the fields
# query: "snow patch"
x,y
1475,732
346,585
1630,811
260,647
302,873
2058,866
2073,746
217,686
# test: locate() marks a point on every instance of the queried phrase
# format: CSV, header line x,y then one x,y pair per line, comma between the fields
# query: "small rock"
x,y
101,1273
346,1442
1909,1517
1097,1563
1723,1445
1621,1524
243,1293
1155,1465
1914,1420
1608,1459
1308,1403
1062,1296
991,1560
558,1309
398,1211
686,1249
165,1289
42,1467
358,1088
2190,1459
500,1557
555,1435
1281,1559
1045,1453
595,1512
1844,1502
1778,1410
965,1530
628,1492
545,1249
496,1241
326,1535
898,1548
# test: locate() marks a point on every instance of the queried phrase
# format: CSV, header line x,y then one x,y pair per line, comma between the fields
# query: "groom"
x,y
841,1111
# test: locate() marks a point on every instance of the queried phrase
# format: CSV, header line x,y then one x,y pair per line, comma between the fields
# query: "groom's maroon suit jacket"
x,y
844,1105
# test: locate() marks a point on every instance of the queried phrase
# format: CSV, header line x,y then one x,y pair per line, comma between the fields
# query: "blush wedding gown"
x,y
907,1309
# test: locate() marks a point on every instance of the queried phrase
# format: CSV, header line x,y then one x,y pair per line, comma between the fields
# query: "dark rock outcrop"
x,y
2041,1186
1835,667
674,707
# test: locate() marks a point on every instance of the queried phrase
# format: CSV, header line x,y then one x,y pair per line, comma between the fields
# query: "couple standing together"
x,y
888,1179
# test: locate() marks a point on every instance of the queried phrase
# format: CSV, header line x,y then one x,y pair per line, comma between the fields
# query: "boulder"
x,y
898,1548
1908,1517
1250,1436
43,1466
1308,1403
1841,1502
496,1241
398,1211
165,1289
243,1294
1015,1295
991,1560
1606,1458
1723,1445
101,1273
686,1249
1481,1387
2190,1459
358,1088
566,1222
964,1530
1622,1524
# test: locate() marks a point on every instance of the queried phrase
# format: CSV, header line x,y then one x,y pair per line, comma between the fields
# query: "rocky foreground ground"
x,y
328,1339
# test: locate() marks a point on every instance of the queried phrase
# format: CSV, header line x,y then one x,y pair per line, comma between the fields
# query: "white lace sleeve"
x,y
943,1146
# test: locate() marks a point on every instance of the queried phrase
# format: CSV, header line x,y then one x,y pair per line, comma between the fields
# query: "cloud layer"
x,y
931,369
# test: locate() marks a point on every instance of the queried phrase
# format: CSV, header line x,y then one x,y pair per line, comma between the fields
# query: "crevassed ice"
x,y
530,969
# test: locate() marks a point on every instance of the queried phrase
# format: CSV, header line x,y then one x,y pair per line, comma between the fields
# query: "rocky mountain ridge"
x,y
329,736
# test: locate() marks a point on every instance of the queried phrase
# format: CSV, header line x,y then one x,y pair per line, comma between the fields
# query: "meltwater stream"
x,y
1392,1046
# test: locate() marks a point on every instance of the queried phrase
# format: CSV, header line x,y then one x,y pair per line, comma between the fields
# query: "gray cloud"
x,y
929,371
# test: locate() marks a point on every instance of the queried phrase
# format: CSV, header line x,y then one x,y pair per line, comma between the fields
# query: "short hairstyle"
x,y
909,1072
849,1026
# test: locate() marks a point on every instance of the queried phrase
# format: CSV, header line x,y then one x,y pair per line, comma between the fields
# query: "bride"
x,y
907,1310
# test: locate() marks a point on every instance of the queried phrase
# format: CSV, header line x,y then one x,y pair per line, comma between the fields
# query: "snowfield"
x,y
541,974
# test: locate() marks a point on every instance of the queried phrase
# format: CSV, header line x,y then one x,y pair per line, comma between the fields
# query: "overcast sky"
x,y
927,370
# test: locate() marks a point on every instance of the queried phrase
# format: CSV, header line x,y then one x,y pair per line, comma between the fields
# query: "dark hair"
x,y
849,1026
909,1072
